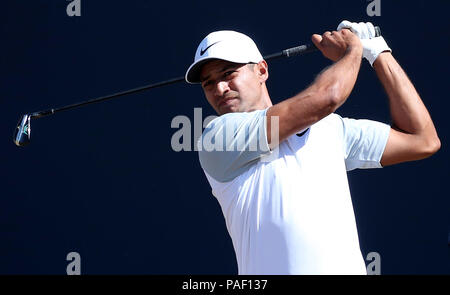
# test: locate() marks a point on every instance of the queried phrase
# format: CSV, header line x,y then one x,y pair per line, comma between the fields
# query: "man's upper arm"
x,y
364,143
231,143
404,147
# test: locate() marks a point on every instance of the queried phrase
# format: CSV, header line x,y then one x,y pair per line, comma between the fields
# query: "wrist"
x,y
373,48
382,59
355,49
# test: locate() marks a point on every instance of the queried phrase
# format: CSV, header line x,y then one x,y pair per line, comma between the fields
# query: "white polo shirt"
x,y
289,211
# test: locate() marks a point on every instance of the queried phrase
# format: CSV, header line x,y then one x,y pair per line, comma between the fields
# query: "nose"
x,y
221,88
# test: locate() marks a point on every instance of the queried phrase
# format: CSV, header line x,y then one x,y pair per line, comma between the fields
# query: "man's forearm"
x,y
329,91
408,113
339,79
413,136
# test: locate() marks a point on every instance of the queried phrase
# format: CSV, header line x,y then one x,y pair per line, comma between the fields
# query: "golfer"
x,y
279,171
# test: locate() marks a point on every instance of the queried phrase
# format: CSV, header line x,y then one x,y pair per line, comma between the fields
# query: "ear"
x,y
262,70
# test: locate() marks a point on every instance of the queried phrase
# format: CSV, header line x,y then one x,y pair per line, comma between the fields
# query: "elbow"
x,y
333,104
435,145
431,146
335,97
327,96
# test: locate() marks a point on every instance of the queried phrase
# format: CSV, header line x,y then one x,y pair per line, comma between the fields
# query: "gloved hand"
x,y
372,46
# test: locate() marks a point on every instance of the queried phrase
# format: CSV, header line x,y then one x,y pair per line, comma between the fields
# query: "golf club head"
x,y
22,134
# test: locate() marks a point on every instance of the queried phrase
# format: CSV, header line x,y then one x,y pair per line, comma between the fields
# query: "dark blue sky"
x,y
104,181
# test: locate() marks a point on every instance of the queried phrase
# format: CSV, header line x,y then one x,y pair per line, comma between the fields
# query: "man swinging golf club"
x,y
284,194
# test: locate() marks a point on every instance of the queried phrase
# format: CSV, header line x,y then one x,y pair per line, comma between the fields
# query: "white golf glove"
x,y
372,46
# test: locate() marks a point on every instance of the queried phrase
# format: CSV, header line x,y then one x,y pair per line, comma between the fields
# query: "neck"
x,y
265,98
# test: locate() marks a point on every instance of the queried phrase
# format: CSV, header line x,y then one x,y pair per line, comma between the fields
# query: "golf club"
x,y
22,134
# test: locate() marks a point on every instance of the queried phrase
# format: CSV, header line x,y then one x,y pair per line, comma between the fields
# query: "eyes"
x,y
228,75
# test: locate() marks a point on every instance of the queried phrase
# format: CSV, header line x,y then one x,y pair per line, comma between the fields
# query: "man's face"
x,y
231,87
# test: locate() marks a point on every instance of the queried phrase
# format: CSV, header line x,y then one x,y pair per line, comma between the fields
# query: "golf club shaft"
x,y
41,114
298,50
302,49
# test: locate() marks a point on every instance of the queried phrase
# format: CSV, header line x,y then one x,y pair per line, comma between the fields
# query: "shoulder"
x,y
353,128
237,117
331,123
233,142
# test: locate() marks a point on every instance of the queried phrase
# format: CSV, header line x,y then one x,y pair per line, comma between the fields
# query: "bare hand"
x,y
334,45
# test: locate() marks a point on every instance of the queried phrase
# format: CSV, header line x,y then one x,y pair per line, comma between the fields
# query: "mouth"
x,y
226,101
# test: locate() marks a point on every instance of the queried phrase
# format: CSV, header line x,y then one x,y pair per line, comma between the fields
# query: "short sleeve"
x,y
364,143
232,143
